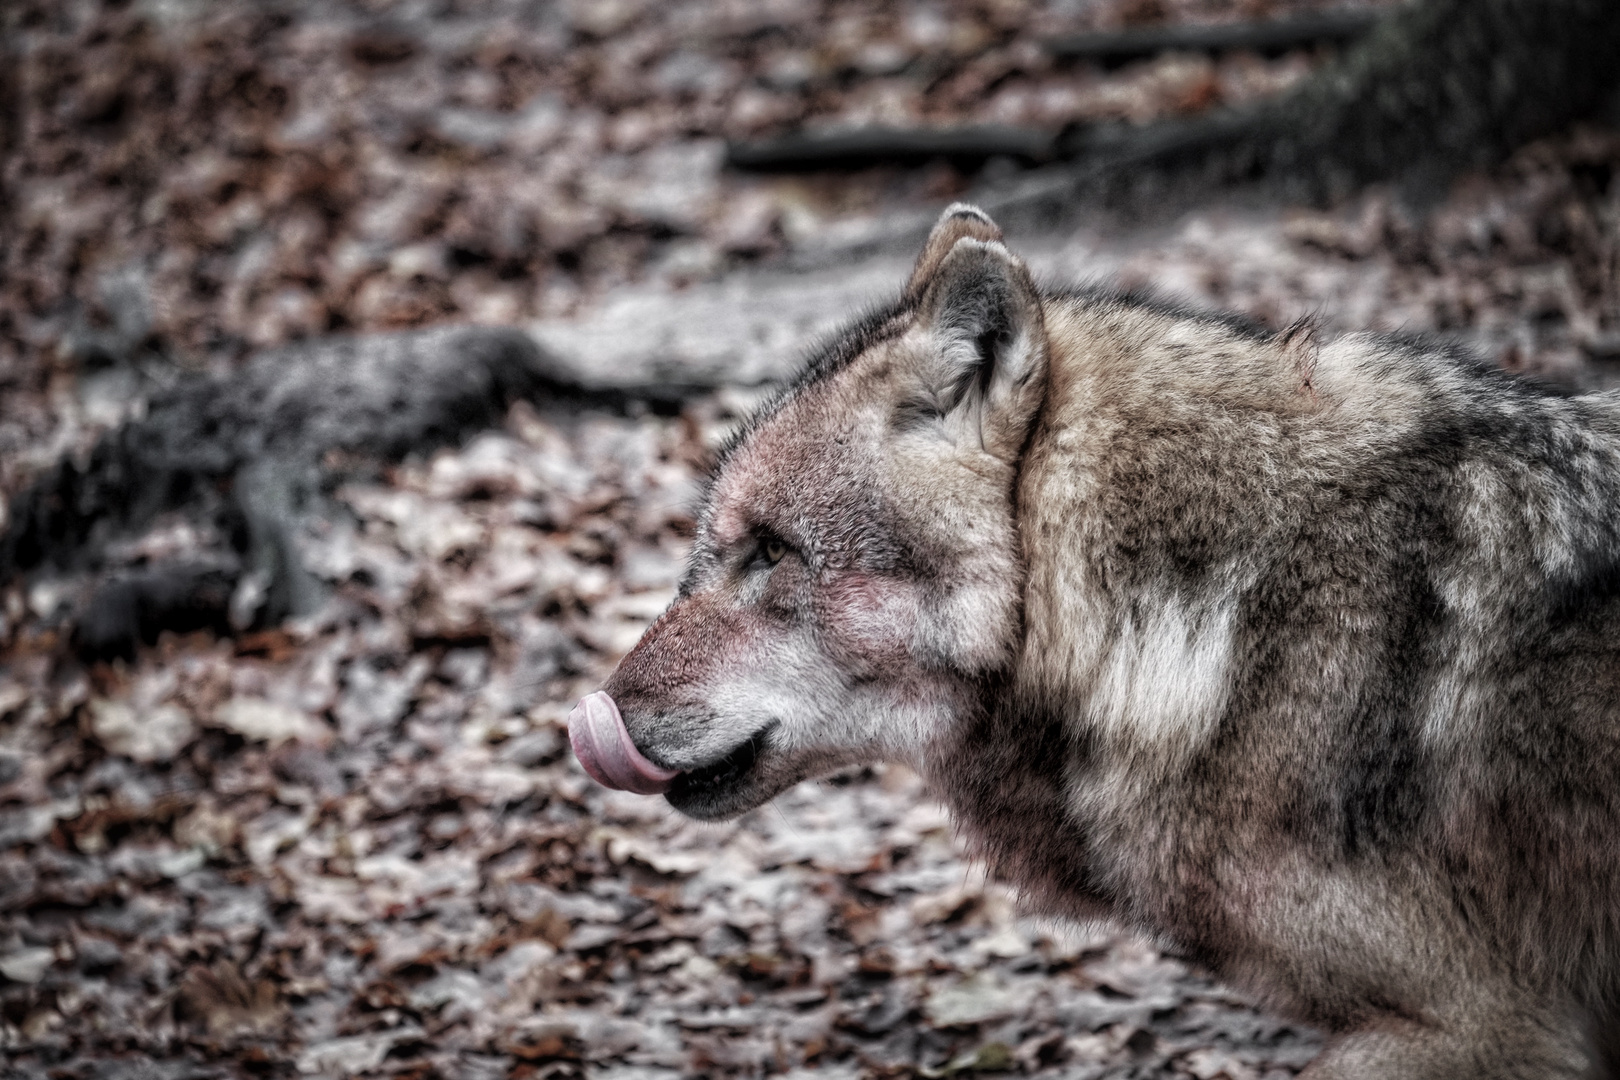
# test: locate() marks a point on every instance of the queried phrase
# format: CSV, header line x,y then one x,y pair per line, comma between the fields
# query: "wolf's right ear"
x,y
985,372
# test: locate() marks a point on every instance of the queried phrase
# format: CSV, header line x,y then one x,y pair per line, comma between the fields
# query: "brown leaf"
x,y
228,1004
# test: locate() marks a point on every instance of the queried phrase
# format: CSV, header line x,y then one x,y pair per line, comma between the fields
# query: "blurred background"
x,y
359,366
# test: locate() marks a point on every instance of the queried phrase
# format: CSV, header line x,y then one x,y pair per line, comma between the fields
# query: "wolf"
x,y
1301,656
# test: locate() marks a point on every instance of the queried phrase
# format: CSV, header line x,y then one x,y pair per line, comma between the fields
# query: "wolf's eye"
x,y
773,550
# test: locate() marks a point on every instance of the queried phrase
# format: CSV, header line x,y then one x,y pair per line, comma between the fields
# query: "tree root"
x,y
247,457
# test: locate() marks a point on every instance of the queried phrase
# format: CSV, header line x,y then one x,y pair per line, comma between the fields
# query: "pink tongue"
x,y
603,746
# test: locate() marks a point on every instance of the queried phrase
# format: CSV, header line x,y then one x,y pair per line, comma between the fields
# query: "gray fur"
x,y
1299,656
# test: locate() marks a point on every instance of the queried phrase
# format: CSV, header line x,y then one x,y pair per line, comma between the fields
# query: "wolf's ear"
x,y
987,358
959,221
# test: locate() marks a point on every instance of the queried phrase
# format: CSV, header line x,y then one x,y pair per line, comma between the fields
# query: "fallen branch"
x,y
1112,47
971,146
864,147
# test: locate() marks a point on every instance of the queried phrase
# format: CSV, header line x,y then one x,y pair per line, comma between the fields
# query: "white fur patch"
x,y
1165,681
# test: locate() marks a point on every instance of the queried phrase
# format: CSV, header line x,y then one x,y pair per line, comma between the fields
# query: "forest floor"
x,y
356,844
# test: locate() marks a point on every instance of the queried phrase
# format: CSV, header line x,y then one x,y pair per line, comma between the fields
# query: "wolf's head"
x,y
856,578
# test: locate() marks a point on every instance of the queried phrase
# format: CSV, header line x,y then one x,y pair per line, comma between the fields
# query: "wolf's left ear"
x,y
960,221
988,357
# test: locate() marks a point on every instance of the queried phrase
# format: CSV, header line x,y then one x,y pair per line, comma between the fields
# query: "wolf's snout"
x,y
603,746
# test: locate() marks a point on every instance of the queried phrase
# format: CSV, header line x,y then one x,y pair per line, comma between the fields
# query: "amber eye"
x,y
774,549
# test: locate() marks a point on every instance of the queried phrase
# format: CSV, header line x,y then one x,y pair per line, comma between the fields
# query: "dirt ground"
x,y
356,844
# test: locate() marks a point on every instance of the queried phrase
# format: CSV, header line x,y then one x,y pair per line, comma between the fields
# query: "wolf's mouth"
x,y
724,787
720,776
